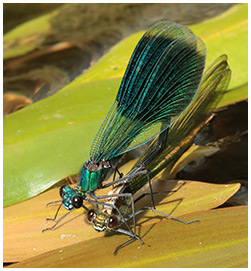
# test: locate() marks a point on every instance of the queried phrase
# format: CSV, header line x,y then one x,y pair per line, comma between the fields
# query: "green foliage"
x,y
50,139
25,38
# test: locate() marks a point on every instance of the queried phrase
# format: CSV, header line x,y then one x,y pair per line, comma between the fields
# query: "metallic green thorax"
x,y
92,175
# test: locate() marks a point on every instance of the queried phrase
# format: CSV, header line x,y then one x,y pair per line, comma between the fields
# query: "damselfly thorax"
x,y
93,174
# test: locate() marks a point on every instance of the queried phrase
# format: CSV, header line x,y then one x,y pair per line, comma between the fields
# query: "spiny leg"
x,y
114,175
133,215
160,192
55,213
121,245
133,237
117,171
157,148
57,222
151,190
53,202
120,174
127,178
172,217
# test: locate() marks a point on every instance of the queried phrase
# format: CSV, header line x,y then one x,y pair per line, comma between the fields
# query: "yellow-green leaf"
x,y
23,222
193,153
50,140
223,34
220,240
26,37
234,95
227,34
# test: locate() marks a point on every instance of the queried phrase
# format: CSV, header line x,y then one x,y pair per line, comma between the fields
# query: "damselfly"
x,y
163,152
160,81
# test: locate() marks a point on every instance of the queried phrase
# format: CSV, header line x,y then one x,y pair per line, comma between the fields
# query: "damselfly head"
x,y
102,221
71,197
98,220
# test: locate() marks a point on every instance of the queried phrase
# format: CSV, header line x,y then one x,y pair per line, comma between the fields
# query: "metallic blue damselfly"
x,y
118,206
161,79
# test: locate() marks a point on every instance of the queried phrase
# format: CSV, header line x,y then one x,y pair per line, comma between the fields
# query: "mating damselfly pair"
x,y
164,97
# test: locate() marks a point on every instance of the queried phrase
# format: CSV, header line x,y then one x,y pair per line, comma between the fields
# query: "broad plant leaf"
x,y
193,153
220,240
50,140
234,95
223,34
227,34
23,222
27,36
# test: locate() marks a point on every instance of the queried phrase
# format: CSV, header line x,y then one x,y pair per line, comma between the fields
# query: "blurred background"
x,y
76,36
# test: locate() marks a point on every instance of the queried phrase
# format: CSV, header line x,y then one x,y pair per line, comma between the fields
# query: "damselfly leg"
x,y
117,171
46,229
124,220
164,214
133,237
56,214
159,193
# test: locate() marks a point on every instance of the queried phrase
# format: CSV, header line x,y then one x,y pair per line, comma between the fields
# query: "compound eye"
x,y
77,202
112,222
90,215
61,191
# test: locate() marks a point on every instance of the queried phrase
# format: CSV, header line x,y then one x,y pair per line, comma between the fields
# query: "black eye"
x,y
112,222
90,215
61,191
77,202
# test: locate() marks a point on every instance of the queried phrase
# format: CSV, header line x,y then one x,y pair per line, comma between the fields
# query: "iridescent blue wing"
x,y
161,79
182,132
